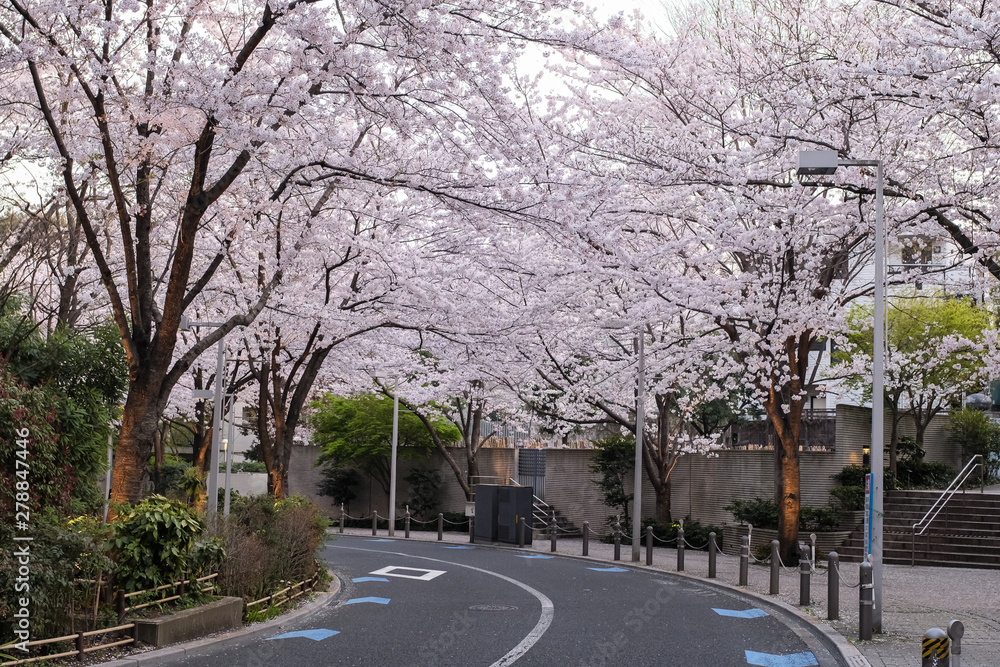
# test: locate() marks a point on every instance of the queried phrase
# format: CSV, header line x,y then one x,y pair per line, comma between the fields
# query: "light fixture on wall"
x,y
866,455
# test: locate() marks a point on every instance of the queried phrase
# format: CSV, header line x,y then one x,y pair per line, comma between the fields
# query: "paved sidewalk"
x,y
916,598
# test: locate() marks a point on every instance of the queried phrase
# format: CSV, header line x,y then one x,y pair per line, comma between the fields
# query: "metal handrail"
x,y
943,499
537,499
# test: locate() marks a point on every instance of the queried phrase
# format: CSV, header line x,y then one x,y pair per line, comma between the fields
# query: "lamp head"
x,y
817,163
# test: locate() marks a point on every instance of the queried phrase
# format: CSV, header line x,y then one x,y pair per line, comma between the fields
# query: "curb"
x,y
182,650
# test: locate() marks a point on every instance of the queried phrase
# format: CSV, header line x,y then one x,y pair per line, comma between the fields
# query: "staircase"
x,y
965,534
541,517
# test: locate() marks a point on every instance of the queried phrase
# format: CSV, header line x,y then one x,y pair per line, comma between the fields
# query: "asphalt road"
x,y
426,603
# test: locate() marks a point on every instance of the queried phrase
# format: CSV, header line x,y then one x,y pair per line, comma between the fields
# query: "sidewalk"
x,y
916,598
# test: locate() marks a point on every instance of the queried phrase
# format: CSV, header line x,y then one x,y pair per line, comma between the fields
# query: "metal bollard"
x,y
805,572
649,545
618,540
713,550
935,648
552,532
374,523
680,549
343,517
406,523
744,560
586,538
440,526
867,594
472,530
955,631
832,586
520,533
775,568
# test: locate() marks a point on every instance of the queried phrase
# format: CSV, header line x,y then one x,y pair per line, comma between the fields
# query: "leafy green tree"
x,y
614,458
338,484
357,431
425,485
153,542
977,434
934,355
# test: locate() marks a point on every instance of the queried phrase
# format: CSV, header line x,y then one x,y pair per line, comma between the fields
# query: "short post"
x,y
955,631
680,548
472,530
812,553
440,526
618,540
520,533
80,646
744,560
552,533
832,586
775,568
586,538
649,545
805,571
406,523
934,649
713,550
343,517
867,594
374,523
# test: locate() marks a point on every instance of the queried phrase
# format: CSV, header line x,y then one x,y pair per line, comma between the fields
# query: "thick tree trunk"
x,y
135,444
662,513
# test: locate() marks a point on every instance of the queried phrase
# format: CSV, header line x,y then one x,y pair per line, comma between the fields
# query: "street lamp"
x,y
392,464
825,163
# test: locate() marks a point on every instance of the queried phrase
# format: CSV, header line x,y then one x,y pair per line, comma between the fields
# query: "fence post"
x,y
832,586
618,539
713,549
120,603
680,548
552,533
775,568
80,645
744,559
520,533
867,595
440,526
406,523
649,545
805,570
374,523
472,530
586,538
343,517
955,631
934,648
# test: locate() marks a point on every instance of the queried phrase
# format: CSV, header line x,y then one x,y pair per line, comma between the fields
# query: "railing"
x,y
80,641
538,501
940,503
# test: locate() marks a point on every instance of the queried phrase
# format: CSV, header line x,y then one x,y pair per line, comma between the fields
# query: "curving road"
x,y
427,603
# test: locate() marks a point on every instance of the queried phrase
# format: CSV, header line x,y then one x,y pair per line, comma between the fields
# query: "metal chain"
x,y
842,581
704,546
667,541
785,567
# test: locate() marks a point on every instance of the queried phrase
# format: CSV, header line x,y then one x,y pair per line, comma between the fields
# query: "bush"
x,y
923,475
852,476
152,543
848,498
759,512
818,519
338,483
425,485
694,532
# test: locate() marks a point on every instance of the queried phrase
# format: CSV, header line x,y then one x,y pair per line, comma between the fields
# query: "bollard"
x,y
520,533
406,523
712,555
832,586
805,570
812,552
775,568
374,523
935,648
586,538
744,560
867,594
955,631
680,548
552,532
649,545
440,526
472,530
343,517
618,540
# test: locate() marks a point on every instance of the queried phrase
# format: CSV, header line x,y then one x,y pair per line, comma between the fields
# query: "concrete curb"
x,y
181,650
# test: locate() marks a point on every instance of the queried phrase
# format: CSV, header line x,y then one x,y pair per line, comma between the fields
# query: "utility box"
x,y
486,512
513,504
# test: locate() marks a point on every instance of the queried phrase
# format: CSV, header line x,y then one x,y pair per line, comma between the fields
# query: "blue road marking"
x,y
608,569
316,635
359,580
375,600
749,613
770,660
459,547
381,540
535,556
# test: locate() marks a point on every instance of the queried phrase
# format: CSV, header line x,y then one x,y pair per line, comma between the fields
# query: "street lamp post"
x,y
392,464
640,405
825,163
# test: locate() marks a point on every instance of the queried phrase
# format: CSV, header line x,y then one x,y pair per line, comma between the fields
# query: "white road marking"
x,y
394,571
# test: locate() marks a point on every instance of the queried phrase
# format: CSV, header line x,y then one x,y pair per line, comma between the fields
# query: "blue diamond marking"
x,y
608,569
316,635
806,659
375,600
359,580
535,556
749,613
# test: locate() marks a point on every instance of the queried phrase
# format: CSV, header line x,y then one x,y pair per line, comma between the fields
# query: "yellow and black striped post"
x,y
935,649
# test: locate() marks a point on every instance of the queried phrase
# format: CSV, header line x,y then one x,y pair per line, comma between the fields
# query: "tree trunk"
x,y
135,445
662,514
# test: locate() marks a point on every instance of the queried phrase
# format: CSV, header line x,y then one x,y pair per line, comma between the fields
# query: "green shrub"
x,y
760,512
425,486
818,519
922,475
695,533
244,466
848,498
152,543
852,475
